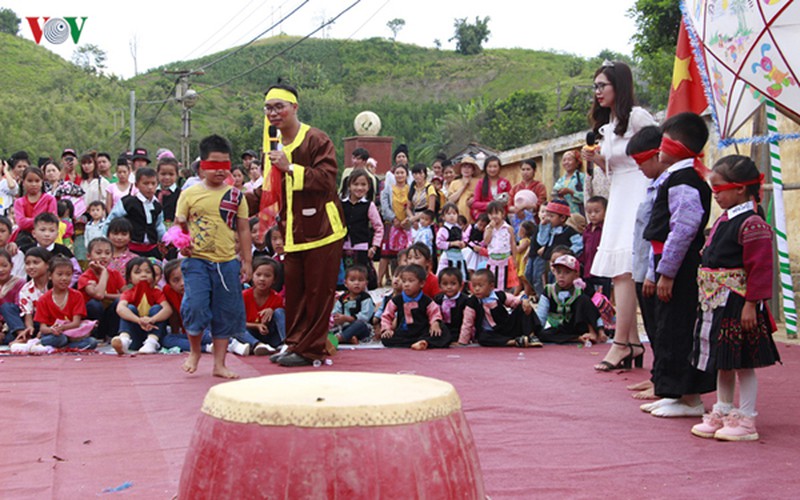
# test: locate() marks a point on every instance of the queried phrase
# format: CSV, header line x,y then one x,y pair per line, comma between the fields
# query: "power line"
x,y
220,29
287,49
369,19
160,109
242,47
248,33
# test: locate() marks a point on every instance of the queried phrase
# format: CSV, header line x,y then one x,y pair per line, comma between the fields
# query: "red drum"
x,y
345,435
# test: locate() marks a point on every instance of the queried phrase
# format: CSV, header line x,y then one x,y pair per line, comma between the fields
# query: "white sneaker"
x,y
209,348
150,346
41,349
121,343
20,348
239,348
262,349
649,407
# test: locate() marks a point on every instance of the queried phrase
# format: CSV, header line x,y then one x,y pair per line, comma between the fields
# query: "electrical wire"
x,y
221,28
282,52
368,19
242,47
160,109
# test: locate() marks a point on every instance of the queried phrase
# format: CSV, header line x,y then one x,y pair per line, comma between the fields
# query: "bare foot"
x,y
641,386
224,372
420,346
645,394
602,338
354,340
190,365
586,336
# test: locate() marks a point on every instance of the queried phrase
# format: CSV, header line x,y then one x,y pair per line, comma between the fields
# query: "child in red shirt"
x,y
101,287
60,312
264,309
420,254
173,291
143,311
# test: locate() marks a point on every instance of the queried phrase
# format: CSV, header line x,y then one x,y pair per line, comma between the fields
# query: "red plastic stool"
x,y
345,435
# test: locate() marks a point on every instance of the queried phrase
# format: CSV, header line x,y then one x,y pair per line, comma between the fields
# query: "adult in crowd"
x,y
491,188
461,191
529,182
313,225
570,185
615,117
69,160
11,179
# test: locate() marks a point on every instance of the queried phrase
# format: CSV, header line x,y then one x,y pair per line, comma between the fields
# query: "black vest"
x,y
134,212
359,300
658,227
454,233
169,201
419,316
563,238
456,313
356,220
500,315
724,249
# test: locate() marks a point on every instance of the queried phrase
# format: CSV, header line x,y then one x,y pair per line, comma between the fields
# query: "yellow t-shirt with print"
x,y
212,215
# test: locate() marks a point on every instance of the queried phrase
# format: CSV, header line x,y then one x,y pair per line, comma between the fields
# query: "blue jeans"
x,y
138,336
59,341
534,272
212,297
11,315
276,335
357,329
171,340
107,318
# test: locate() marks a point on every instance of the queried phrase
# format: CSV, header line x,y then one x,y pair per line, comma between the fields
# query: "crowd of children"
x,y
513,276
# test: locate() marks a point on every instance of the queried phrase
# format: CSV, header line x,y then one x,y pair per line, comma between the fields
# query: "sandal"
x,y
623,364
522,341
638,360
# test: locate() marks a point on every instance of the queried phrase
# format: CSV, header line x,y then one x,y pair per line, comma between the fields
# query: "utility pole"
x,y
188,98
133,120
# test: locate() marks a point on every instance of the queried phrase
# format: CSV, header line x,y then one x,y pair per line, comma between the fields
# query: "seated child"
x,y
96,226
119,232
37,261
17,257
274,242
397,288
143,311
173,291
493,325
354,308
266,316
60,311
451,241
420,255
101,288
412,319
571,314
45,231
452,302
10,286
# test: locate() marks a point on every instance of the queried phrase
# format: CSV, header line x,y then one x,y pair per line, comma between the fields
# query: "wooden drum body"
x,y
345,435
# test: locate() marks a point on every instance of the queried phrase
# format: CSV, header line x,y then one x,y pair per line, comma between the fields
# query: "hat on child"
x,y
559,207
569,262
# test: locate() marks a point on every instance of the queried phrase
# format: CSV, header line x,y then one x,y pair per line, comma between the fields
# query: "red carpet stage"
x,y
545,425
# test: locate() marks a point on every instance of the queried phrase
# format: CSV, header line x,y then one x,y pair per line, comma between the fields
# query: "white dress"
x,y
628,188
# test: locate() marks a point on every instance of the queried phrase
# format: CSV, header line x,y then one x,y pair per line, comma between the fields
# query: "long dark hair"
x,y
620,76
486,182
739,168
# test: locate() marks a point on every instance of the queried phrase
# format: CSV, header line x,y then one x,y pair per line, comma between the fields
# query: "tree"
x,y
657,24
90,58
470,37
396,25
9,22
515,121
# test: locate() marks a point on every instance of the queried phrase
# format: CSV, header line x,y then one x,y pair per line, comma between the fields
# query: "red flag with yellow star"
x,y
686,92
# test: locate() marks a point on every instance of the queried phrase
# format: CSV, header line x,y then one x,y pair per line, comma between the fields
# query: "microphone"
x,y
591,145
273,137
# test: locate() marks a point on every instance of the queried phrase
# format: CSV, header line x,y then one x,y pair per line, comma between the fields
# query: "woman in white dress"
x,y
616,118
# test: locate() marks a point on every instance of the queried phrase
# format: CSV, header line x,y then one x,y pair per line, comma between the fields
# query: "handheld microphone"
x,y
273,137
591,144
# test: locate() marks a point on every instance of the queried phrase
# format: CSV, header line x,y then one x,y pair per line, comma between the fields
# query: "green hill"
x,y
431,99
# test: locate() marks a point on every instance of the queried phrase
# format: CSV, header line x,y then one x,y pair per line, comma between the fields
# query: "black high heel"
x,y
638,361
624,363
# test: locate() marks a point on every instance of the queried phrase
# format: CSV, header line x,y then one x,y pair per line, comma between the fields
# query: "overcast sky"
x,y
166,31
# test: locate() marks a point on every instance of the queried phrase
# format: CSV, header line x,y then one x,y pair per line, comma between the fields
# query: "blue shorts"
x,y
212,298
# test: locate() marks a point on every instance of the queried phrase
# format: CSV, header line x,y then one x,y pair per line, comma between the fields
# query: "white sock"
x,y
748,392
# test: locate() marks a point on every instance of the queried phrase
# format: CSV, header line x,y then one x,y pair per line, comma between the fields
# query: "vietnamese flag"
x,y
271,190
686,92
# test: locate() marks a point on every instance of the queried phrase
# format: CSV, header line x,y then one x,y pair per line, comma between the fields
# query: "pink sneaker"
x,y
737,427
712,422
